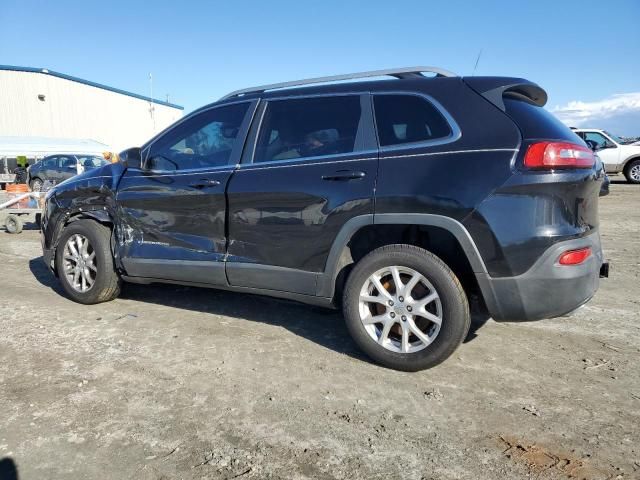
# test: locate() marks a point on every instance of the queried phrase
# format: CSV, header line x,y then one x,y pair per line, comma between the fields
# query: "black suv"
x,y
394,199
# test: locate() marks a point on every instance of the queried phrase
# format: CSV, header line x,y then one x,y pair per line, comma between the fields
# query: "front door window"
x,y
201,142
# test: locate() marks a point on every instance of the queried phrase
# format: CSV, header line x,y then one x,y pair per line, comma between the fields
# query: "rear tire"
x,y
632,171
13,223
85,264
36,185
424,320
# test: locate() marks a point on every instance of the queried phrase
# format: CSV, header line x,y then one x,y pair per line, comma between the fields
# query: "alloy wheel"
x,y
400,309
79,263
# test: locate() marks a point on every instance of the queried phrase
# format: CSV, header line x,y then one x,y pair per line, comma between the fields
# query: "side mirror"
x,y
131,158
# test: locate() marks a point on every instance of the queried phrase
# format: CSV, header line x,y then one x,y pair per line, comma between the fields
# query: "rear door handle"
x,y
342,175
204,183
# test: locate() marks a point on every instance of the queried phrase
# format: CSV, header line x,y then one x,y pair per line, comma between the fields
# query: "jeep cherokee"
x,y
393,199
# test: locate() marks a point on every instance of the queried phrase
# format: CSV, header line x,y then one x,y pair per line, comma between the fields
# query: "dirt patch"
x,y
540,459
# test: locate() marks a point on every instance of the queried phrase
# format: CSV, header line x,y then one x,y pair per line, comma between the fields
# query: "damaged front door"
x,y
172,210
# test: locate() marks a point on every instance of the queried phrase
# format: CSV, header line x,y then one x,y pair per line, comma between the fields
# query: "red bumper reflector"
x,y
575,257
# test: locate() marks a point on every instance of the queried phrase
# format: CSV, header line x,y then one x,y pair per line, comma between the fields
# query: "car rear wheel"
x,y
13,223
84,263
632,171
405,308
36,185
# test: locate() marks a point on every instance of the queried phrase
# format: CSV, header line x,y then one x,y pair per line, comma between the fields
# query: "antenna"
x,y
475,67
151,106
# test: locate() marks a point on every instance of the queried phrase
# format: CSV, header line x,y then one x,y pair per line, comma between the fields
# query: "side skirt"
x,y
297,297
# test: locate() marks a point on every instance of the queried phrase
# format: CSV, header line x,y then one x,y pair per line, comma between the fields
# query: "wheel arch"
x,y
340,257
100,215
628,161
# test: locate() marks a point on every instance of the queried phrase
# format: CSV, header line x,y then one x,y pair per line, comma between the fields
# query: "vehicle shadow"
x,y
320,325
41,273
8,469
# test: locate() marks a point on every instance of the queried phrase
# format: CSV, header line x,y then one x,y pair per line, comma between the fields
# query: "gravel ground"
x,y
172,382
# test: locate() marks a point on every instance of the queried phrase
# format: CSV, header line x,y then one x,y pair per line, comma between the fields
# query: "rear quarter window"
x,y
537,122
405,119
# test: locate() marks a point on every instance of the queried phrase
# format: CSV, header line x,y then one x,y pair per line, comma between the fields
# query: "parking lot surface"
x,y
174,382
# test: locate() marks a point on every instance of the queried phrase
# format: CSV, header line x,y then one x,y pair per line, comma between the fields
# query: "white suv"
x,y
615,154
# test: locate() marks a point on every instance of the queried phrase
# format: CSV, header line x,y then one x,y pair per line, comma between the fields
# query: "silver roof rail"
x,y
406,72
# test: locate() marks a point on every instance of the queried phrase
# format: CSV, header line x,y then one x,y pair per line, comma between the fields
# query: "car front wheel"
x,y
84,263
405,308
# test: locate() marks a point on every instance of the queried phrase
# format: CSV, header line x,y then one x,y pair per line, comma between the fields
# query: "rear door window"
x,y
406,119
68,162
90,162
309,127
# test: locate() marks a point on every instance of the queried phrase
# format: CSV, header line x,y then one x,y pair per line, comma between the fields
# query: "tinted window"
x,y
205,140
67,162
50,162
92,162
308,127
536,122
407,119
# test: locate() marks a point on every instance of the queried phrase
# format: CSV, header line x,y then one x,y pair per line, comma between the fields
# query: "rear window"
x,y
536,122
404,119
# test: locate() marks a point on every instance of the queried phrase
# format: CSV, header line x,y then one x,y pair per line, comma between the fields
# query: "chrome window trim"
x,y
450,152
291,162
189,171
454,136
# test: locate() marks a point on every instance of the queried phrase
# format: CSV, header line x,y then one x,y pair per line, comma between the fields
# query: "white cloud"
x,y
618,113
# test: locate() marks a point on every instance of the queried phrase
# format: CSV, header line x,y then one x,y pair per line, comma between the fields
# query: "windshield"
x,y
613,137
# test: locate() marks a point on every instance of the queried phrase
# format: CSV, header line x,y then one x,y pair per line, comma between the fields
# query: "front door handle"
x,y
342,175
204,183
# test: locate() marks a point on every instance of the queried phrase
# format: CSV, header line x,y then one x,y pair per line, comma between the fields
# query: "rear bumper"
x,y
547,289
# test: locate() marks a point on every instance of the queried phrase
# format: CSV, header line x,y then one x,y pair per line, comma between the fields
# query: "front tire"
x,y
405,308
632,171
85,264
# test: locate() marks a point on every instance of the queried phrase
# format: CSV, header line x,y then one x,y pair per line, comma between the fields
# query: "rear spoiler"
x,y
495,89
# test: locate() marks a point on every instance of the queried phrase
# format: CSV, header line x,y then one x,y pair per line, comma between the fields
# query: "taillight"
x,y
549,155
575,257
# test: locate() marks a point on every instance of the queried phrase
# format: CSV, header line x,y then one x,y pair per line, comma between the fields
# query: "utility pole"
x,y
151,106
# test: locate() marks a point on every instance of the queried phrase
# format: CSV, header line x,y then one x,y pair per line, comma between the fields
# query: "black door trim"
x,y
211,273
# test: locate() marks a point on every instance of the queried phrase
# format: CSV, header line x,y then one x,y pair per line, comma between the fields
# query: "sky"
x,y
584,53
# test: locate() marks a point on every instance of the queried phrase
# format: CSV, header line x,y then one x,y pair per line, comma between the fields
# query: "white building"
x,y
37,102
